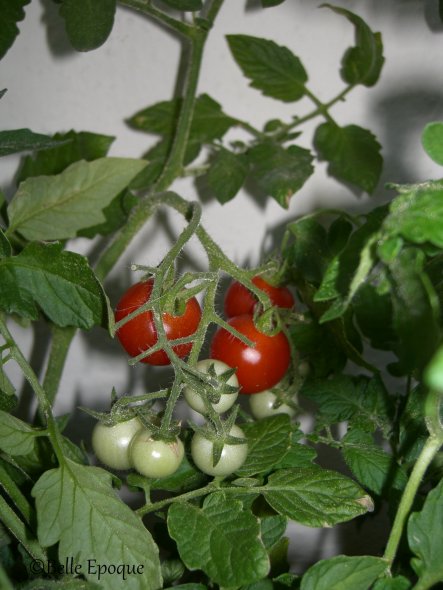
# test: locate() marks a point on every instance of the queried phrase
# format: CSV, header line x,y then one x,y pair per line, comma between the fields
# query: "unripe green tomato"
x,y
155,458
232,457
111,443
262,405
226,399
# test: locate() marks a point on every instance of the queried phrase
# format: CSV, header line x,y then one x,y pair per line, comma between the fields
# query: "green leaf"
x,y
221,539
353,154
432,141
16,436
343,573
71,147
415,311
298,455
61,284
272,529
272,69
373,467
88,22
116,215
372,307
396,583
315,497
191,5
417,215
186,478
362,63
12,12
5,246
227,174
58,207
20,140
308,253
65,583
425,536
77,507
268,440
280,172
268,3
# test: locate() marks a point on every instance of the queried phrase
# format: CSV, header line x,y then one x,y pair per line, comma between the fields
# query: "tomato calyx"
x,y
211,385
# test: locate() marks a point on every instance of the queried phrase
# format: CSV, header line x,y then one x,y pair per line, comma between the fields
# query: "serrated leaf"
x,y
362,63
343,573
221,539
88,22
61,284
432,141
278,171
315,497
227,174
19,140
16,436
77,507
58,207
298,455
417,215
352,153
425,536
190,5
373,467
12,12
272,69
268,441
72,147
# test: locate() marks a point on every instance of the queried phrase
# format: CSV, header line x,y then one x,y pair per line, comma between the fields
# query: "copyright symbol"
x,y
37,566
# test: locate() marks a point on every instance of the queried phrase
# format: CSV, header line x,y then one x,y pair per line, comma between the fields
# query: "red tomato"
x,y
139,334
239,300
258,368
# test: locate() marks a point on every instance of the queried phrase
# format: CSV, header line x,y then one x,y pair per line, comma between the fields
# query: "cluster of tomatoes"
x,y
234,366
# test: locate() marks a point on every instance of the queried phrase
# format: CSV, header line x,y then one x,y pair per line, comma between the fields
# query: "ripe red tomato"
x,y
139,334
258,368
239,300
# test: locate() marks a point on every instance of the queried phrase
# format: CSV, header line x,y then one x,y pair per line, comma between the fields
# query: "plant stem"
x,y
427,454
147,9
13,523
13,491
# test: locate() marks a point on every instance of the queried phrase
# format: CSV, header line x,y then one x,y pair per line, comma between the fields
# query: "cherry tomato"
x,y
258,368
155,458
262,405
139,334
232,456
239,300
226,399
111,443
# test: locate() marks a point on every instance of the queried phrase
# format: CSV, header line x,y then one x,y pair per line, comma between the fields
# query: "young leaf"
x,y
353,154
373,467
268,440
272,69
12,12
88,24
343,573
16,436
361,64
71,147
20,140
432,141
280,172
58,207
315,497
227,174
425,536
221,539
77,507
190,5
61,284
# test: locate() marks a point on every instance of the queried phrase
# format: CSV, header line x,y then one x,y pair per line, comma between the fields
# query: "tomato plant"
x,y
239,300
139,334
232,456
110,443
155,458
259,367
227,388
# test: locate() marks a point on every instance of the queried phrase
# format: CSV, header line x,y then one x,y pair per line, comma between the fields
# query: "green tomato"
x,y
195,401
111,443
262,405
232,457
155,458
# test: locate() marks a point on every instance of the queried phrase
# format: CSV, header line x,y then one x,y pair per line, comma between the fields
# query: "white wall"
x,y
51,88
